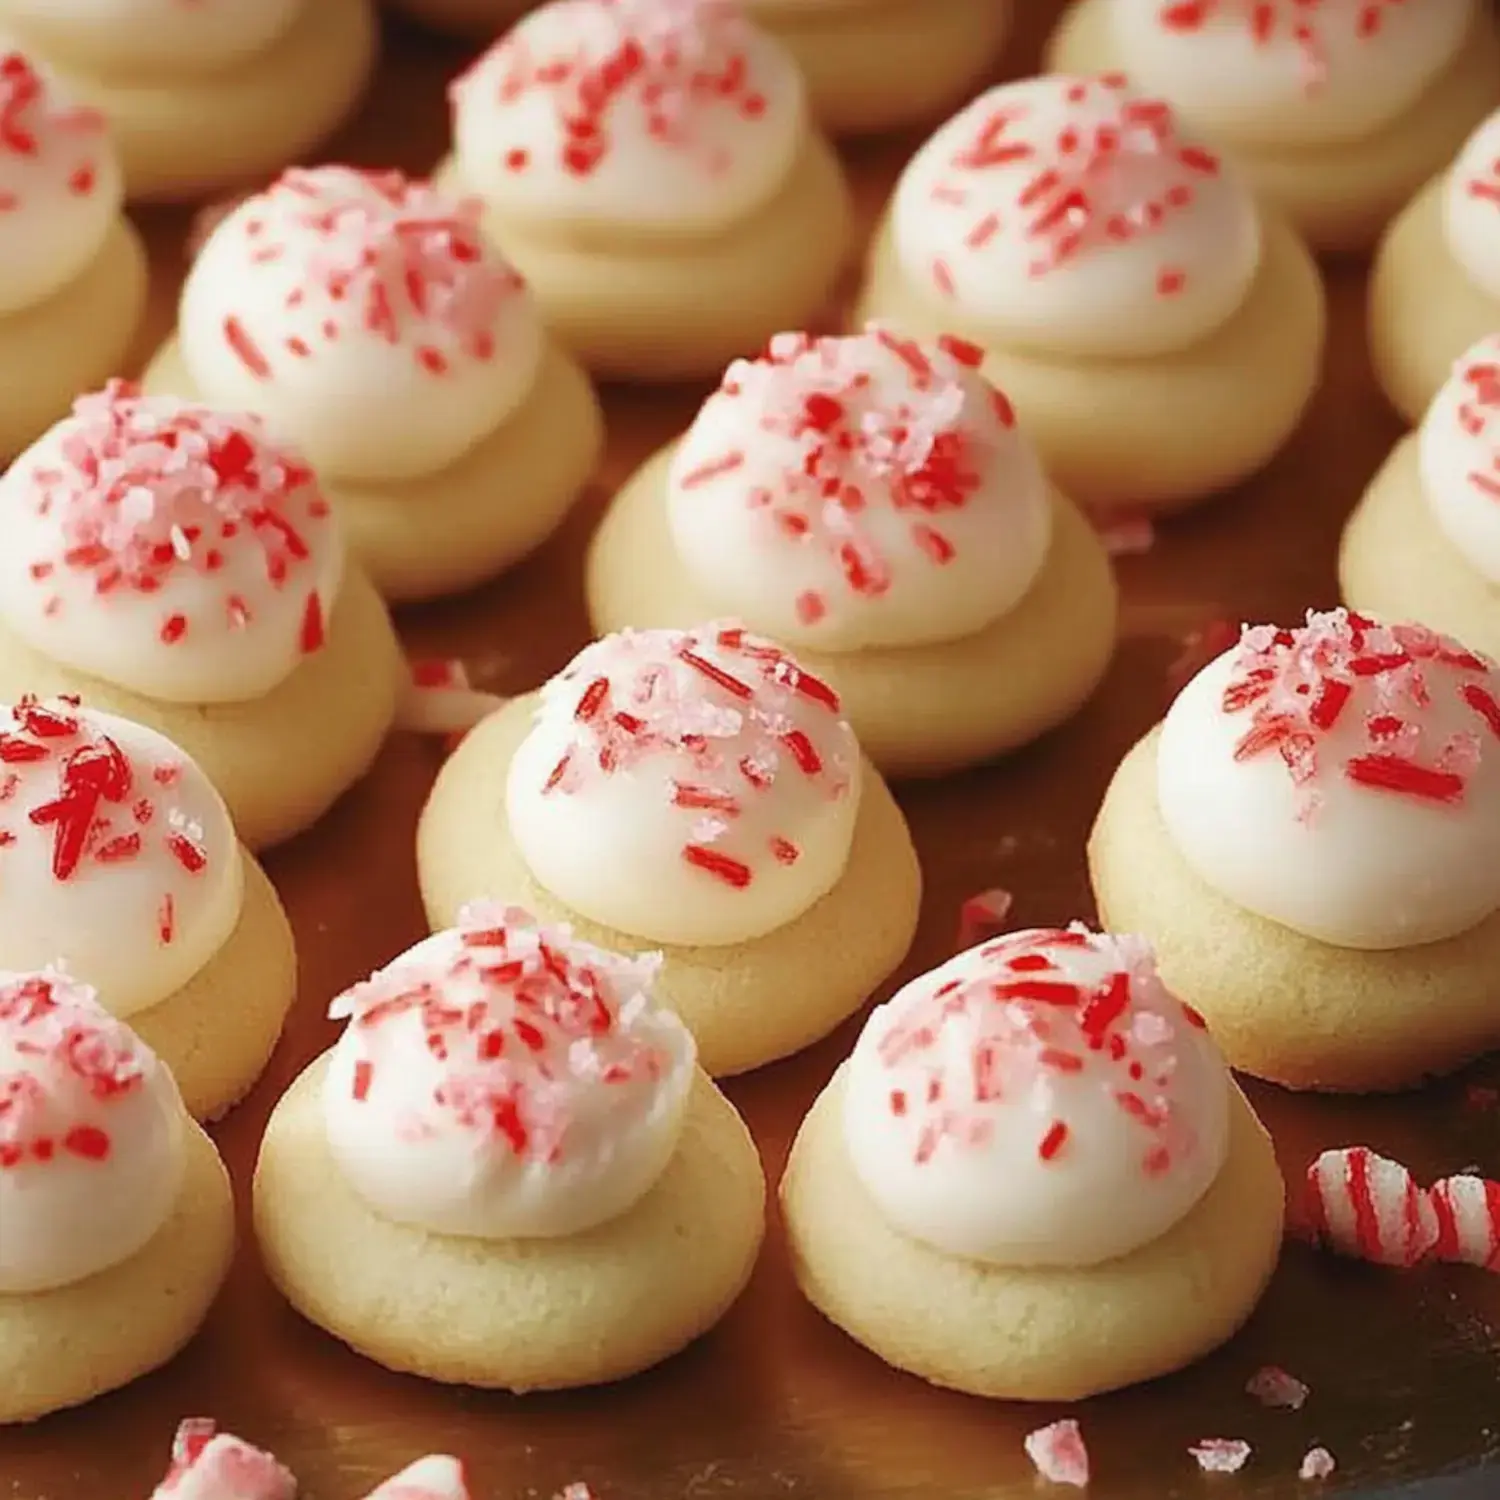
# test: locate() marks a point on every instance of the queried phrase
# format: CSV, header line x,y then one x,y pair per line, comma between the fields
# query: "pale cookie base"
x,y
71,343
64,1347
918,711
874,65
1395,562
680,306
180,137
519,1315
481,19
1339,196
1148,434
1042,1334
420,539
1425,313
1283,1006
747,1004
216,1034
281,761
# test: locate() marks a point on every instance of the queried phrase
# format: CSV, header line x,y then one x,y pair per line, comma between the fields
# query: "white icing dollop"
x,y
211,1465
1073,217
436,1477
502,1080
650,114
92,1140
1342,779
60,187
117,856
167,548
1458,446
859,492
1289,72
1040,1100
686,787
1471,208
152,38
365,317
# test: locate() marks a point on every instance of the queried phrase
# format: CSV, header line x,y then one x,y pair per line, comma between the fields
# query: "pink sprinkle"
x,y
1318,1463
1221,1455
1059,1453
1273,1387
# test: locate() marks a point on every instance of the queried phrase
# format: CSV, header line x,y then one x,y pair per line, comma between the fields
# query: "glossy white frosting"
x,y
92,1143
669,114
1040,1100
857,492
60,187
686,787
1342,779
365,317
1458,446
1289,72
117,856
503,1081
1471,209
167,548
1073,217
211,1465
436,1477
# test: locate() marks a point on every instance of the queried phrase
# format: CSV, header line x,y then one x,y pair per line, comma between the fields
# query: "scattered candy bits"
x,y
1273,1387
439,699
211,1465
1319,1463
1059,1454
1221,1455
982,916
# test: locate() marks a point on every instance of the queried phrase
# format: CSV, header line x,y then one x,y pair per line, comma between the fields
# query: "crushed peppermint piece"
x,y
1221,1455
1467,1209
211,1465
1273,1387
1368,1207
439,699
436,1477
982,915
1059,1454
1317,1463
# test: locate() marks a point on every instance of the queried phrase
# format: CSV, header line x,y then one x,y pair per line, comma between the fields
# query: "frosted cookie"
x,y
203,94
700,793
1034,1179
364,317
651,168
524,1178
1311,840
874,65
173,565
870,502
118,860
1335,110
1159,335
1424,542
72,268
211,1465
116,1219
1435,286
465,18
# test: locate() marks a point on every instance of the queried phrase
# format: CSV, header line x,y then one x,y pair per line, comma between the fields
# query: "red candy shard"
x,y
1059,1454
1467,1211
982,915
1367,1207
208,1464
437,699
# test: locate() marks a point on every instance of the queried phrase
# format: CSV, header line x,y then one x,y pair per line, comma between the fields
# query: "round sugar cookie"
x,y
875,65
1055,1333
918,710
520,1314
1340,195
746,1003
63,1347
1283,1006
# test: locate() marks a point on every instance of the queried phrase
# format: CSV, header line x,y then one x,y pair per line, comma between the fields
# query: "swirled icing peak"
x,y
211,1465
1289,72
117,856
1074,216
1040,1100
693,787
1342,779
168,548
91,1136
655,113
365,317
504,1080
1471,209
60,187
858,492
1458,446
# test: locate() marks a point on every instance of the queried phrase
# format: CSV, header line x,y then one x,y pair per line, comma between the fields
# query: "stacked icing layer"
x,y
1471,208
651,114
92,1144
857,492
167,548
116,854
690,787
1459,451
1342,779
60,187
365,317
502,1080
1040,1100
211,1465
1289,72
1074,217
